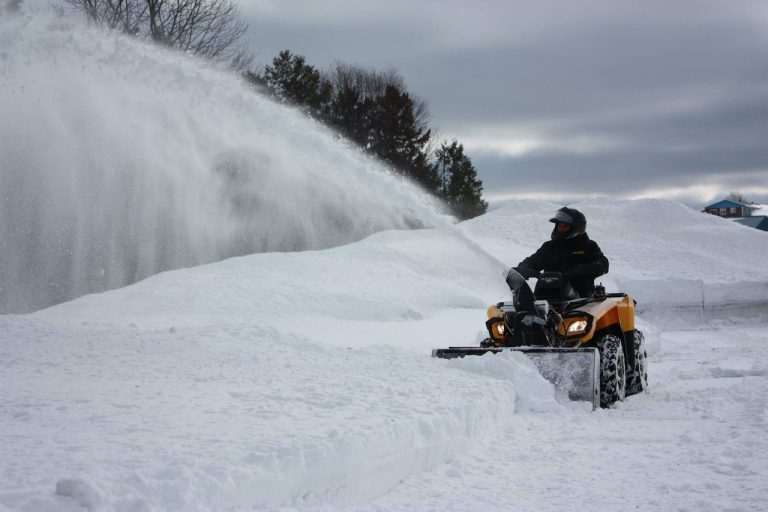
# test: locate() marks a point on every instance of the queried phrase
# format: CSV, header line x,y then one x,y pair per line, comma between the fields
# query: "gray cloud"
x,y
625,173
628,96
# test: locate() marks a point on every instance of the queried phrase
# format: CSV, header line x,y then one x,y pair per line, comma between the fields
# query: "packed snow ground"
x,y
303,381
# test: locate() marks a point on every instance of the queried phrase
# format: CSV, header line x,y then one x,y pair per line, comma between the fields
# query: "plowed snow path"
x,y
696,441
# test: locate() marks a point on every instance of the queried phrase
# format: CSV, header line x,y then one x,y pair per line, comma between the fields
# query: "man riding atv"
x,y
587,346
570,252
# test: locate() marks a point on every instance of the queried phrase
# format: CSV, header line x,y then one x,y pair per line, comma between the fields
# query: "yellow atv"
x,y
587,347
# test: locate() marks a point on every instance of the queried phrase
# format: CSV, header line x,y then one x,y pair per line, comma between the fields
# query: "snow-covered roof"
x,y
757,221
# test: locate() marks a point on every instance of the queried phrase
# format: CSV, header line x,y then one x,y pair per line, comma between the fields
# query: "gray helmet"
x,y
572,217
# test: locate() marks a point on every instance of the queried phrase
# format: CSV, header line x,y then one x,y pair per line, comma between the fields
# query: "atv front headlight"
x,y
496,329
577,326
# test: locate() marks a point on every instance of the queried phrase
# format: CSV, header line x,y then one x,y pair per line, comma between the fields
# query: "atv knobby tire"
x,y
637,375
613,375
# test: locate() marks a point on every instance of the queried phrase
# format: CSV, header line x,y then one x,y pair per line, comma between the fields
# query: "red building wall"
x,y
728,213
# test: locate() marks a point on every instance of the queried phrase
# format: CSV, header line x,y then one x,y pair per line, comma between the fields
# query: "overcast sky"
x,y
564,99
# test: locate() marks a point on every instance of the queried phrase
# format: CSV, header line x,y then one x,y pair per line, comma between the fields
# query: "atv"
x,y
587,347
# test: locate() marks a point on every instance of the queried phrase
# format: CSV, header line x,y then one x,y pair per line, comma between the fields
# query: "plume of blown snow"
x,y
119,159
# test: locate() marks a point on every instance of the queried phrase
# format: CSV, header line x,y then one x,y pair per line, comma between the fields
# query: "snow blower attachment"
x,y
587,348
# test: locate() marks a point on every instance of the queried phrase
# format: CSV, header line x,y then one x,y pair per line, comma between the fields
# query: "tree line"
x,y
372,109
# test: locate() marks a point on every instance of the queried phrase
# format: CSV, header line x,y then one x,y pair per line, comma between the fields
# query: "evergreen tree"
x,y
458,183
291,80
397,138
349,114
375,111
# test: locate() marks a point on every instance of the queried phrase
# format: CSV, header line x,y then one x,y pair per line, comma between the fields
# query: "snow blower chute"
x,y
588,348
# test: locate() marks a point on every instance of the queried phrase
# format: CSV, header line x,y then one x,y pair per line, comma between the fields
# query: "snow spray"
x,y
119,159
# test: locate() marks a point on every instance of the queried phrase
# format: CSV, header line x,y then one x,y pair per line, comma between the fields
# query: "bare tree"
x,y
126,15
370,84
737,196
208,28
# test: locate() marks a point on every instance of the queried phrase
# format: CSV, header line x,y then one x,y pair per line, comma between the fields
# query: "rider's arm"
x,y
533,264
596,264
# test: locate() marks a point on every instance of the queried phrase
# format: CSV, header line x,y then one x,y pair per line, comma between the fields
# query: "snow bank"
x,y
532,393
261,381
390,276
233,416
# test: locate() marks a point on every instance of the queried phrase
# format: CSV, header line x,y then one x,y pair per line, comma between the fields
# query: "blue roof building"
x,y
730,209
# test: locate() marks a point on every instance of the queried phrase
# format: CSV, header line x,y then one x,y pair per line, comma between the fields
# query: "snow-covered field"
x,y
303,381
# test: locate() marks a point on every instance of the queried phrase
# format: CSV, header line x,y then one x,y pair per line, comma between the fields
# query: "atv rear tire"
x,y
613,375
637,375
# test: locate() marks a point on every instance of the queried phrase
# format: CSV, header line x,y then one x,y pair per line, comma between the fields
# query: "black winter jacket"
x,y
579,259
